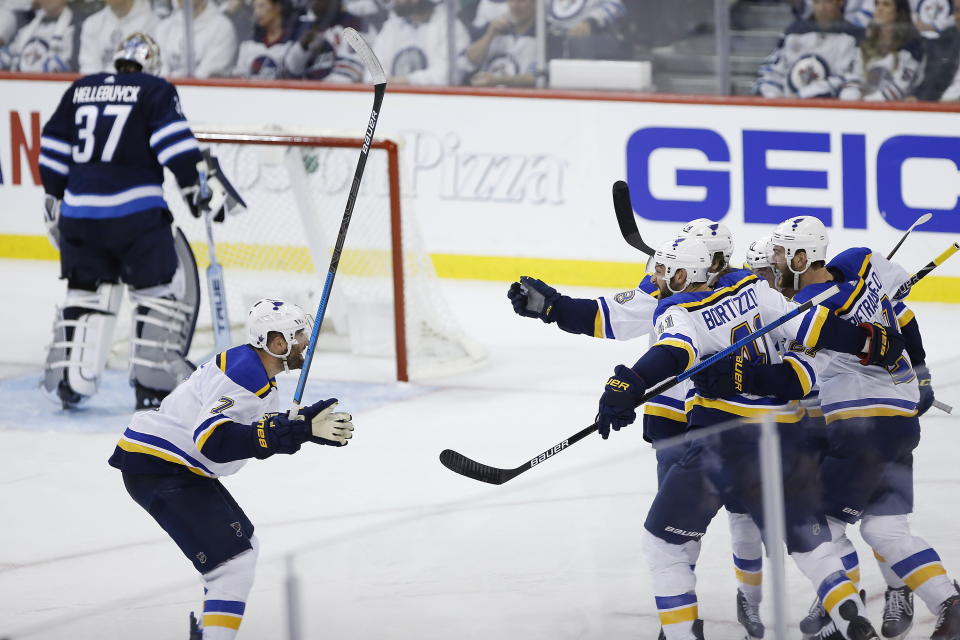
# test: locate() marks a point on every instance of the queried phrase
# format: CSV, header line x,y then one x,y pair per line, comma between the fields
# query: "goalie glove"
x,y
212,191
51,218
326,426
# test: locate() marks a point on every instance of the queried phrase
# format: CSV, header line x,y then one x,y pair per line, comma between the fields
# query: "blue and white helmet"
x,y
804,233
269,314
139,48
759,253
686,253
715,235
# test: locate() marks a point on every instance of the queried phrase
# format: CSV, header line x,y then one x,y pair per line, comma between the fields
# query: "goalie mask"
x,y
141,49
803,233
285,318
686,253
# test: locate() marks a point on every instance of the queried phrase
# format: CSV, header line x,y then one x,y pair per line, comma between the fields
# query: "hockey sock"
x,y
747,546
911,558
845,549
227,588
673,586
825,570
892,579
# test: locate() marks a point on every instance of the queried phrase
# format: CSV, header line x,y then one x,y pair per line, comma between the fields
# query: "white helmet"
x,y
268,315
801,233
686,253
140,48
715,235
758,253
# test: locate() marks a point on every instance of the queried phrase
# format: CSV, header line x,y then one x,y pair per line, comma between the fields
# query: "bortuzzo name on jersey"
x,y
717,314
106,93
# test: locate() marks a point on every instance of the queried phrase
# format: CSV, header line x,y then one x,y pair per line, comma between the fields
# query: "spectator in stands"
x,y
584,28
8,25
892,53
214,42
372,12
818,58
932,16
412,46
102,32
318,52
506,54
857,12
262,56
946,72
48,42
240,14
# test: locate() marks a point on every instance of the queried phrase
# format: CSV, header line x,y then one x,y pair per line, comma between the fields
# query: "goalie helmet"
x,y
803,233
141,49
285,318
686,253
715,235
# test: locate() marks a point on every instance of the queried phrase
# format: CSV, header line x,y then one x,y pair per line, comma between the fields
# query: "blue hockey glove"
x,y
926,389
886,345
533,298
279,434
726,377
621,397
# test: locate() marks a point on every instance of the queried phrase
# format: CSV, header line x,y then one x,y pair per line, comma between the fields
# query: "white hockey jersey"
x,y
419,52
46,44
102,32
847,388
564,14
894,76
705,323
233,388
328,57
215,43
258,59
509,54
811,62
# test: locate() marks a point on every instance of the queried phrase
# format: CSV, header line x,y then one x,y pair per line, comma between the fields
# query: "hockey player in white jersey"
x,y
693,321
212,423
872,415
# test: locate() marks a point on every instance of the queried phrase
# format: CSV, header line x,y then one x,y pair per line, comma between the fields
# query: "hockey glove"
x,y
926,389
51,218
279,434
533,298
727,377
327,427
884,347
621,397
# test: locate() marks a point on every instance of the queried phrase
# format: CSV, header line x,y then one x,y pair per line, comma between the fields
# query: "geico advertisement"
x,y
529,177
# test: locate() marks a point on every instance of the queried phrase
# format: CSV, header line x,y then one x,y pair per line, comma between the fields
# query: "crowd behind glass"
x,y
858,49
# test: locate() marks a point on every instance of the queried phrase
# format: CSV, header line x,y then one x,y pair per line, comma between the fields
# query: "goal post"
x,y
295,186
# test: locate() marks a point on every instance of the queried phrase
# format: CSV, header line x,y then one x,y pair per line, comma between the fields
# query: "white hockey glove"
x,y
332,428
207,194
51,218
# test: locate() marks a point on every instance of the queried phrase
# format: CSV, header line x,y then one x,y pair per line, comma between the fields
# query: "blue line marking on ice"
x,y
24,405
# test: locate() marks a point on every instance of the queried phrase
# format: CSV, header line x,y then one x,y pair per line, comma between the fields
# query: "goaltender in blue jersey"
x,y
225,413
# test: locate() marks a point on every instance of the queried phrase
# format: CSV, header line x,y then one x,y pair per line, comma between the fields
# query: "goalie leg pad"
x,y
163,322
81,342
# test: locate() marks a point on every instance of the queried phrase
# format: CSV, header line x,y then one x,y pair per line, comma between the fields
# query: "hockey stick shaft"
x,y
216,289
626,219
459,463
380,86
922,273
921,220
943,406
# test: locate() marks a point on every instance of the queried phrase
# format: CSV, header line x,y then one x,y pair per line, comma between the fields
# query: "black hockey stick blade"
x,y
626,218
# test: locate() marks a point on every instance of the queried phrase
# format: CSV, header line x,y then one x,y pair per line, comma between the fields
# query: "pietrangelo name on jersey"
x,y
867,308
106,93
723,311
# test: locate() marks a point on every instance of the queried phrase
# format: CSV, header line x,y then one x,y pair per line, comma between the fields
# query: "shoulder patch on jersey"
x,y
665,325
625,296
244,368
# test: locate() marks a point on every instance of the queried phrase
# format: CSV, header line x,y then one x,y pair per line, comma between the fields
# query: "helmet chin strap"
x,y
283,357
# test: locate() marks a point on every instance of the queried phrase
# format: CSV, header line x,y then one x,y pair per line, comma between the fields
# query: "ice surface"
x,y
385,542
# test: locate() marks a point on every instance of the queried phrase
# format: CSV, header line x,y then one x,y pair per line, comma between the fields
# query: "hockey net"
x,y
386,299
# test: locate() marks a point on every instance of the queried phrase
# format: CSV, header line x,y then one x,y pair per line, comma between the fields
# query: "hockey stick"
x,y
626,218
373,66
921,220
216,290
919,275
943,406
459,463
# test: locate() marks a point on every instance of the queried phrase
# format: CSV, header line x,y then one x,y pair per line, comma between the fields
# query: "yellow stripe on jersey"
x,y
752,578
839,593
854,575
222,361
806,383
719,293
921,575
209,432
221,620
814,412
687,614
816,326
788,414
265,389
680,344
905,318
598,324
879,557
136,447
846,414
857,289
664,412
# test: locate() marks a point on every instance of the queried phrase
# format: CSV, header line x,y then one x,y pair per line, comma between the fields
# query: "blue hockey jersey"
x,y
104,149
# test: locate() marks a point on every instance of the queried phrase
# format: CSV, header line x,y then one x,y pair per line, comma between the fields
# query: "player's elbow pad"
x,y
778,381
575,315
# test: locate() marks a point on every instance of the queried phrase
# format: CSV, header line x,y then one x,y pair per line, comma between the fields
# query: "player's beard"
x,y
296,357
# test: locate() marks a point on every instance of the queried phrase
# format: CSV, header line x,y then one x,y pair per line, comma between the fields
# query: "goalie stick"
x,y
921,220
459,463
922,273
375,70
627,219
